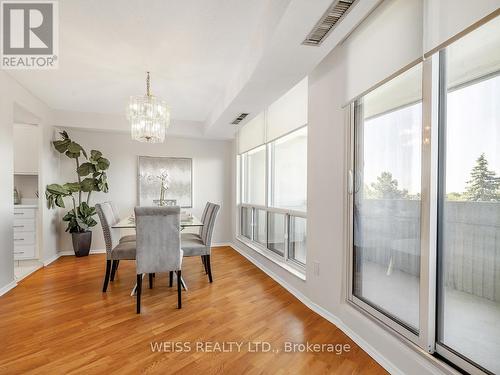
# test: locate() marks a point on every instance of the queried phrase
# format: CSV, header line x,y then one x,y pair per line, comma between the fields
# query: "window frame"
x,y
426,341
424,337
440,347
243,159
284,260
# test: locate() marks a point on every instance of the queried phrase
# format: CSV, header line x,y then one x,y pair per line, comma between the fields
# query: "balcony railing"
x,y
391,230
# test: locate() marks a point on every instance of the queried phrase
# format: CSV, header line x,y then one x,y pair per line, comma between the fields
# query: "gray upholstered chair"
x,y
200,244
130,237
158,246
117,248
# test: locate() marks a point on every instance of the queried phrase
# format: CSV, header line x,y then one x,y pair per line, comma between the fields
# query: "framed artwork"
x,y
176,174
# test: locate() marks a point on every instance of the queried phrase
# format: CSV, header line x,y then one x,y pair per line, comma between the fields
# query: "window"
x,y
386,233
260,227
254,176
276,233
425,202
289,171
469,219
246,222
297,250
273,185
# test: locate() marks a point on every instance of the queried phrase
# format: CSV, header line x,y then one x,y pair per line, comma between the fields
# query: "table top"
x,y
129,223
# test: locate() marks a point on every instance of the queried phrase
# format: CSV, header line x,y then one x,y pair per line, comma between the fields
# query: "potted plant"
x,y
91,176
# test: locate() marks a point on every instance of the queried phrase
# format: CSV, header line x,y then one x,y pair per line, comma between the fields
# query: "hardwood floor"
x,y
57,321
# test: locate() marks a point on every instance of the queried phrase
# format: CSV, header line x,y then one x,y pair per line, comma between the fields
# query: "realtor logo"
x,y
29,37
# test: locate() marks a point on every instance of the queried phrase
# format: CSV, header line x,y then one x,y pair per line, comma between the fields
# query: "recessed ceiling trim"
x,y
328,22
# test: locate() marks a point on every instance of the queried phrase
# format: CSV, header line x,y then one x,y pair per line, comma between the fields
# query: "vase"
x,y
81,243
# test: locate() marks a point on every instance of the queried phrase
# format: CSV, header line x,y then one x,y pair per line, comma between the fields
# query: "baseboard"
x,y
222,244
51,259
363,344
70,252
37,267
8,287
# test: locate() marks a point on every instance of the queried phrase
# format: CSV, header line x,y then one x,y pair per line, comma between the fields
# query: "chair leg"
x,y
171,278
114,268
179,290
204,260
209,267
150,281
138,293
106,276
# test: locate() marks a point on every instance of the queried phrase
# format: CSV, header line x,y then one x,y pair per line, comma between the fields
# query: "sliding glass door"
x,y
425,202
387,180
469,219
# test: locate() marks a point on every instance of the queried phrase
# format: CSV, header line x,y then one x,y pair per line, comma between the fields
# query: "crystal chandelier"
x,y
149,117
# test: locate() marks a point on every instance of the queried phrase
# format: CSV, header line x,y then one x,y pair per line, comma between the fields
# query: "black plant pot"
x,y
81,243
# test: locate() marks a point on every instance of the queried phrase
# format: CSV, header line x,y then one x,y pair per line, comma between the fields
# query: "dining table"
x,y
186,221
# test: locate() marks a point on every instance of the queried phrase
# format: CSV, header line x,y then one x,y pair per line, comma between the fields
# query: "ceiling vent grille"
x,y
239,119
328,22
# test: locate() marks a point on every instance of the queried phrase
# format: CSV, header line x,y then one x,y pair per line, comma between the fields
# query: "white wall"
x,y
19,105
211,175
327,219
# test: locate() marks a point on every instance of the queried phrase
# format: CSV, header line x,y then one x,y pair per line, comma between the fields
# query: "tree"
x,y
483,185
386,187
454,196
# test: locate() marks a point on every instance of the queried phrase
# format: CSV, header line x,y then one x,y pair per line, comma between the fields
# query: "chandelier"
x,y
149,117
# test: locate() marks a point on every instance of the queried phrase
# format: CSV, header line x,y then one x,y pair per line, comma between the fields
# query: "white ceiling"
x,y
191,48
209,59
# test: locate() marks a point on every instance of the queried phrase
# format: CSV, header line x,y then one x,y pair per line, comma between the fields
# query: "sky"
x,y
393,140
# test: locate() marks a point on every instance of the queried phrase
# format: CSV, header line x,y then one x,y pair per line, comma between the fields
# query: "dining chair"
x,y
201,244
130,237
158,246
117,248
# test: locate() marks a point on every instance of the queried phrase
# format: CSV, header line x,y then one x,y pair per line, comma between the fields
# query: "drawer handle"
x,y
18,252
18,239
18,213
18,226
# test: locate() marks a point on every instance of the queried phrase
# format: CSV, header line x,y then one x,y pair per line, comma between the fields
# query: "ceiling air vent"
x,y
328,22
239,119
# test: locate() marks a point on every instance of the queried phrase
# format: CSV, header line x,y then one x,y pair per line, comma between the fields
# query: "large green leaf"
x,y
90,222
102,183
72,155
86,210
50,200
61,145
74,150
89,184
57,189
59,201
85,169
103,164
70,215
64,134
72,187
94,154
